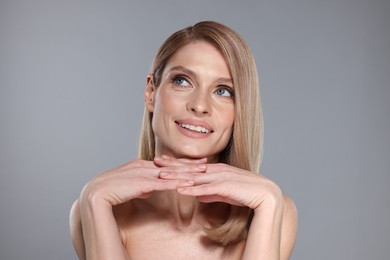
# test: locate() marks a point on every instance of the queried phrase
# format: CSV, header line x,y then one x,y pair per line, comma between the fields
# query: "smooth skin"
x,y
157,209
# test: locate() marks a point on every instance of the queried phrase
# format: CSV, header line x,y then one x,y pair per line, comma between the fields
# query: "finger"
x,y
136,171
165,185
209,189
145,195
209,193
170,175
197,190
184,169
159,184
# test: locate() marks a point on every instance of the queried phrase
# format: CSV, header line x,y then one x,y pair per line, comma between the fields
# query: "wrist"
x,y
273,202
93,200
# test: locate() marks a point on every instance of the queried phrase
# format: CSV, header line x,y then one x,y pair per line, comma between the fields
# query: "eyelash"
x,y
173,80
227,89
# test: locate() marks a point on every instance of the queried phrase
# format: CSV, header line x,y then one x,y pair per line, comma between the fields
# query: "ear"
x,y
149,93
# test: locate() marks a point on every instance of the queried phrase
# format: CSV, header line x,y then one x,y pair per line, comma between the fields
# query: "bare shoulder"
x,y
289,228
75,221
76,230
290,209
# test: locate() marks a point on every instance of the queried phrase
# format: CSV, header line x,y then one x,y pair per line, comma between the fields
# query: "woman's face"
x,y
193,108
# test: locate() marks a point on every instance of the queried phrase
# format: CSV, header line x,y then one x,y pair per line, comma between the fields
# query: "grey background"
x,y
72,75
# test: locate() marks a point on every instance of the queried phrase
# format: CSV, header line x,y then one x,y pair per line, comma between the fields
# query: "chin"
x,y
192,155
197,155
190,151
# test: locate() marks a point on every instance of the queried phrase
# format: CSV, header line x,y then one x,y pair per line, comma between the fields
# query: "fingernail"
x,y
180,189
202,166
165,156
164,174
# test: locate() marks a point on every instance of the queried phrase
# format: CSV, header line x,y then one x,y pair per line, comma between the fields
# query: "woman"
x,y
195,192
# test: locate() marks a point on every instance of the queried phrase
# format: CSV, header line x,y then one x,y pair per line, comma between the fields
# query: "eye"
x,y
224,92
180,81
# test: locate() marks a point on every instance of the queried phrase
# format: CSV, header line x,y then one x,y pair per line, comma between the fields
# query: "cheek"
x,y
165,101
164,108
229,118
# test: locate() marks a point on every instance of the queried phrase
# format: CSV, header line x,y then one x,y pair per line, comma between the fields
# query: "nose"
x,y
199,104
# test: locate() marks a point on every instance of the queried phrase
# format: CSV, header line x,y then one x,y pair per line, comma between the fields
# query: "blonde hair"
x,y
245,147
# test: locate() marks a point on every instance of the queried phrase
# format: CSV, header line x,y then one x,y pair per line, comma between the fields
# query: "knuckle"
x,y
138,163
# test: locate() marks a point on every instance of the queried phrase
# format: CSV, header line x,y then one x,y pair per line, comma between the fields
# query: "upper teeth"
x,y
200,129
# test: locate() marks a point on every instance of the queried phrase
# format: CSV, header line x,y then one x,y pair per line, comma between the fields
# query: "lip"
x,y
193,134
195,123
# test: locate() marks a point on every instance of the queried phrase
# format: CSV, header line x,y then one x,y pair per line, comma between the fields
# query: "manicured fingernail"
x,y
202,166
164,174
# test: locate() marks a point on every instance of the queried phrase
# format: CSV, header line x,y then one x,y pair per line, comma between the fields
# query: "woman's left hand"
x,y
224,183
273,227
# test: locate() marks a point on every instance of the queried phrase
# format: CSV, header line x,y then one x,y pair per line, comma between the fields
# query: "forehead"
x,y
199,56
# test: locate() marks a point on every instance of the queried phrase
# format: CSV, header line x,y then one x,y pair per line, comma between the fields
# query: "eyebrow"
x,y
195,76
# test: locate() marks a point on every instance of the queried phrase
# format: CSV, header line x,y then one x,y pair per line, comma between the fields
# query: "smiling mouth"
x,y
199,129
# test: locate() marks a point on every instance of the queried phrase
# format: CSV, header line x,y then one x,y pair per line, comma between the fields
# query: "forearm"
x,y
264,237
102,237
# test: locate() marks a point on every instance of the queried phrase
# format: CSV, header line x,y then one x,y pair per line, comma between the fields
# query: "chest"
x,y
161,243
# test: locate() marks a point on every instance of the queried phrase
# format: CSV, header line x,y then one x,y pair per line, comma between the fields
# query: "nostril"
x,y
199,109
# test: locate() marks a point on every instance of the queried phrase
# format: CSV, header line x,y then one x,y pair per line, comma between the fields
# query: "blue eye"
x,y
180,81
225,92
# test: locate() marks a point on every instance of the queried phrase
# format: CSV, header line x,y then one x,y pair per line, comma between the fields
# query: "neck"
x,y
210,159
182,210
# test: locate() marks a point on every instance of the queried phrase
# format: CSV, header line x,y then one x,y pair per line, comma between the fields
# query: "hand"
x,y
95,231
225,183
137,179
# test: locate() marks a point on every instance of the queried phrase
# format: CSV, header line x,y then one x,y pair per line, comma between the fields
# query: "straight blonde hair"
x,y
245,147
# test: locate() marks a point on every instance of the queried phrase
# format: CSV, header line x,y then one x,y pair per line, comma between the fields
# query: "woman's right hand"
x,y
93,226
135,179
